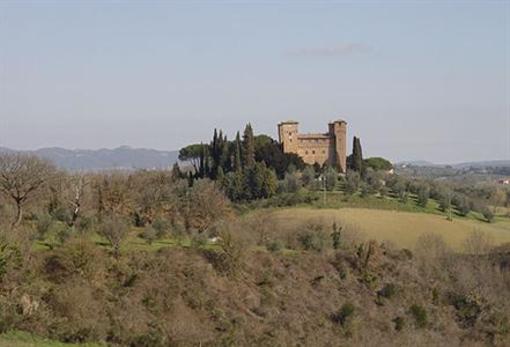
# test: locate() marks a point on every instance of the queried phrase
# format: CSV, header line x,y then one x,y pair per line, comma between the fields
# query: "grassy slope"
x,y
22,339
401,228
380,218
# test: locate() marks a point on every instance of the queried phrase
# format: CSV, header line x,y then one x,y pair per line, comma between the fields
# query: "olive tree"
x,y
21,176
204,205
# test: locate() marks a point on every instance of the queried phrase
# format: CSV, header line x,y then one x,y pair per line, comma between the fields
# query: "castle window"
x,y
306,152
323,152
313,152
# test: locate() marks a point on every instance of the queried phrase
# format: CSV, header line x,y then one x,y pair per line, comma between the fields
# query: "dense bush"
x,y
488,214
313,237
419,314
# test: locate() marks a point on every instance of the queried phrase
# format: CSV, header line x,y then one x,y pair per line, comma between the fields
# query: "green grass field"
x,y
399,227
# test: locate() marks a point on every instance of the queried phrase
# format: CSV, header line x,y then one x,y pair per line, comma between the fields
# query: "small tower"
x,y
288,136
338,131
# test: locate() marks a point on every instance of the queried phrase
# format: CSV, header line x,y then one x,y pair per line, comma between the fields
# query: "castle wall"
x,y
327,148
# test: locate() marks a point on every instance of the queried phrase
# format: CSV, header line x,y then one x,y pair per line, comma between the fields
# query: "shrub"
x,y
488,214
308,176
336,236
313,238
8,255
62,214
388,291
423,196
419,314
343,315
399,323
290,184
199,241
43,225
228,259
468,309
84,224
331,177
352,182
162,226
149,234
63,234
374,180
274,246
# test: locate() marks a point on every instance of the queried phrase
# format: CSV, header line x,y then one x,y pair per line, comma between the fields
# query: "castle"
x,y
329,148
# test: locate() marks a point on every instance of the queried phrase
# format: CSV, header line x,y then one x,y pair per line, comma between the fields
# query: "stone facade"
x,y
329,148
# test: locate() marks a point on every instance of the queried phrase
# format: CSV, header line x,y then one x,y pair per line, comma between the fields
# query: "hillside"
x,y
237,294
123,157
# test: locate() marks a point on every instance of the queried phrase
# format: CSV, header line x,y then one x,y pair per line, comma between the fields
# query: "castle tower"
x,y
338,131
288,136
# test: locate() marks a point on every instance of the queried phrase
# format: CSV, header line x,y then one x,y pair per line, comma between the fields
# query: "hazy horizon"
x,y
415,81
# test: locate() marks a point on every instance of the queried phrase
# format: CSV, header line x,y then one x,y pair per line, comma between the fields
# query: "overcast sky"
x,y
416,80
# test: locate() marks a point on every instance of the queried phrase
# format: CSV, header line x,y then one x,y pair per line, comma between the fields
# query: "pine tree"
x,y
248,147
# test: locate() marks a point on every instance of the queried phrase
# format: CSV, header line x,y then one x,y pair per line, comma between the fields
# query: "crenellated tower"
x,y
338,133
288,136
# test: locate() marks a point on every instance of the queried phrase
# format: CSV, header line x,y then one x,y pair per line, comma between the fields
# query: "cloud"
x,y
339,50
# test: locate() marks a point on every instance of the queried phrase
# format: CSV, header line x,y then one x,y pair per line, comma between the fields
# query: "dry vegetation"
x,y
258,287
74,270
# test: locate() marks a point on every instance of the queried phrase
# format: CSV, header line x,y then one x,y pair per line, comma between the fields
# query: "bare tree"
x,y
78,184
205,205
114,229
21,175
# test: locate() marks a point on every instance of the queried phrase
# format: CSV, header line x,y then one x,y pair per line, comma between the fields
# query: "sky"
x,y
426,80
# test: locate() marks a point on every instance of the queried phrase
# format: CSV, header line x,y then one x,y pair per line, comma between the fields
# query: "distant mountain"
x,y
483,164
123,157
466,165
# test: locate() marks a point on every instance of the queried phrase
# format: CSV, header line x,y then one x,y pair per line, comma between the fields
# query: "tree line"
x,y
246,168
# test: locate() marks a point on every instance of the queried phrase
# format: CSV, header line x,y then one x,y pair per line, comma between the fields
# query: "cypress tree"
x,y
207,166
214,145
357,156
201,163
214,153
248,147
225,155
237,154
